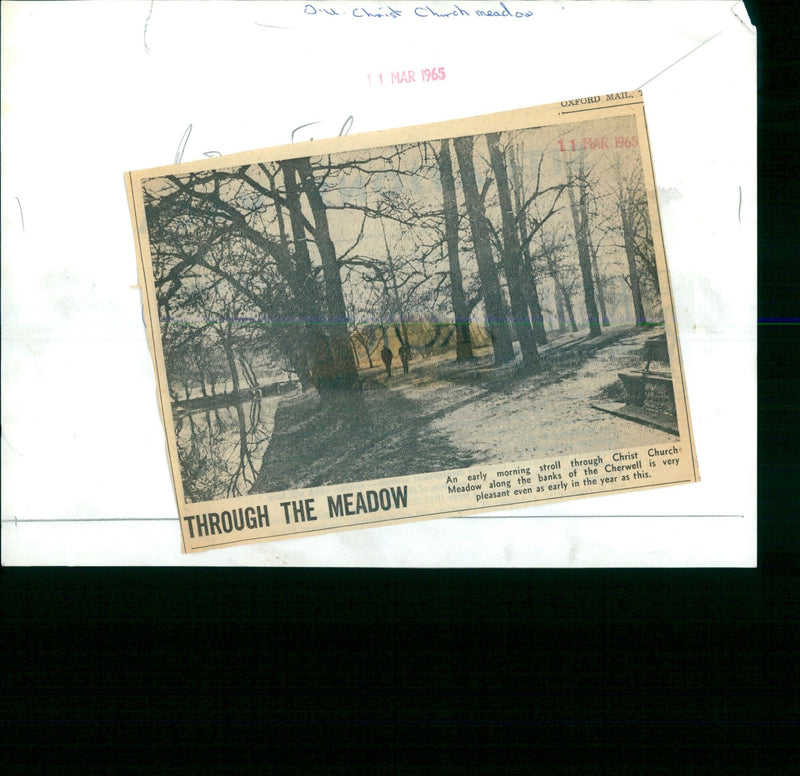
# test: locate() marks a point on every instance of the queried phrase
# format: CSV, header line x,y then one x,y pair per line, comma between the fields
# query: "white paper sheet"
x,y
90,90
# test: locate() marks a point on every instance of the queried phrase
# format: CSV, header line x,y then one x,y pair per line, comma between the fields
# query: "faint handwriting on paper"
x,y
345,129
181,150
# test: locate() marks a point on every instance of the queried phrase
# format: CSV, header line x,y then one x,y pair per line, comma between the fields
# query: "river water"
x,y
220,450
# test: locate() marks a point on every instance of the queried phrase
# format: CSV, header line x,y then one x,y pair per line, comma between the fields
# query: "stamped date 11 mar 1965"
x,y
407,76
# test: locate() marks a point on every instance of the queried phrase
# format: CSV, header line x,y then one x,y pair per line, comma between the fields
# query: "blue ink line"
x,y
302,126
182,145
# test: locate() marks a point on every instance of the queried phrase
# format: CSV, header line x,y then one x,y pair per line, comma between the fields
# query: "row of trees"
x,y
302,265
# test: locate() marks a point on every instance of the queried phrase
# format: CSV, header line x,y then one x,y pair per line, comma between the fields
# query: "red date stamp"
x,y
597,143
425,74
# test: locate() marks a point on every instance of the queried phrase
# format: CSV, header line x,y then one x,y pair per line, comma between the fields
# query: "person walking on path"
x,y
404,354
386,357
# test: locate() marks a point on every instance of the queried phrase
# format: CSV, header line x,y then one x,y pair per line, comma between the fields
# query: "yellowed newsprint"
x,y
413,324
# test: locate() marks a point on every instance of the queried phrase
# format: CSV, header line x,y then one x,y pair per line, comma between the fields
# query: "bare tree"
x,y
450,207
496,320
581,224
511,256
344,373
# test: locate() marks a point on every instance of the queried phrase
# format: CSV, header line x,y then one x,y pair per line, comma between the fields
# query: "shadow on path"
x,y
562,358
391,431
351,437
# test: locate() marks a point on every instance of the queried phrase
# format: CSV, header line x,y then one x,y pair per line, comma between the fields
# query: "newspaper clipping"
x,y
413,324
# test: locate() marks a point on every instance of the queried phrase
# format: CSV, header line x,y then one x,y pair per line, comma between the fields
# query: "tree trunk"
x,y
496,322
531,289
228,348
365,345
463,338
630,253
532,295
249,372
598,288
570,309
598,283
345,373
561,293
512,257
402,332
581,230
317,355
202,376
562,321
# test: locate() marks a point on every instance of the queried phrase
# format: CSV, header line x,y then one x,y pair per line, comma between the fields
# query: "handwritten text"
x,y
496,10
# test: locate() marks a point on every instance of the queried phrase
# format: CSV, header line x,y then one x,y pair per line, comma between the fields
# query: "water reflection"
x,y
220,449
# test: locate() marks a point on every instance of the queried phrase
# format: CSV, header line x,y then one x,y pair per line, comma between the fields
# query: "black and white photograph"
x,y
416,307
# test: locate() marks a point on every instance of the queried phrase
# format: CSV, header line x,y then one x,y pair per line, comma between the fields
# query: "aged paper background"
x,y
85,475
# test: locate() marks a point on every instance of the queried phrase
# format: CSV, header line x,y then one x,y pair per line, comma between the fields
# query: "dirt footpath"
x,y
350,437
447,416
